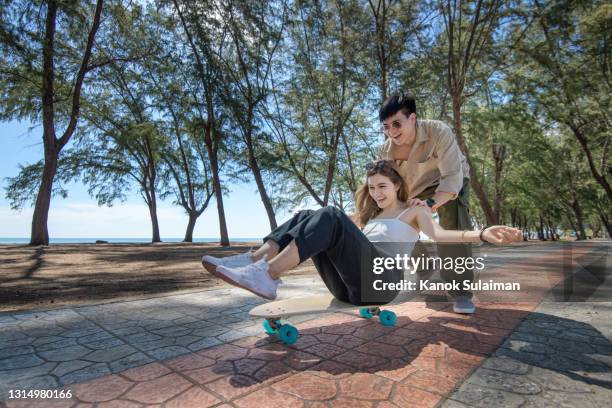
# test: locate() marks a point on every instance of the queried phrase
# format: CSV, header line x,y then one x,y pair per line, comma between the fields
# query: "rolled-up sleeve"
x,y
451,174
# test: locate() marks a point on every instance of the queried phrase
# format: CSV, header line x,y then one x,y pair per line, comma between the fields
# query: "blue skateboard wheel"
x,y
387,318
365,313
268,328
287,334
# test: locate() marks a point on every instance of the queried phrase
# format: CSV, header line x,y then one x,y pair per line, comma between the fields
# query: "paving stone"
x,y
57,345
6,319
232,335
25,341
189,362
204,343
271,398
163,353
230,387
407,396
126,330
569,400
504,381
360,360
100,335
15,351
307,386
133,360
555,381
39,341
186,340
529,337
157,325
569,345
527,358
173,331
84,374
186,319
111,354
103,389
506,365
158,390
211,331
200,324
526,347
17,362
70,366
43,382
195,397
587,362
65,354
104,343
81,332
325,350
485,397
453,404
24,374
365,386
152,345
146,372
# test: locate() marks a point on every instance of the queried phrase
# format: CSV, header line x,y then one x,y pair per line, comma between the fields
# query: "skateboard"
x,y
273,312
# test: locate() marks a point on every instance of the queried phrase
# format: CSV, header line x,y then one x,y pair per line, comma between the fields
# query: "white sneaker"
x,y
211,262
253,277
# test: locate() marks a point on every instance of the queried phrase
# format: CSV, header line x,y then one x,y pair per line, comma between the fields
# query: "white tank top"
x,y
390,230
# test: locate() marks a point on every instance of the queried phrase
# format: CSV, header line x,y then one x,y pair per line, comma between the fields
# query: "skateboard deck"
x,y
273,312
298,306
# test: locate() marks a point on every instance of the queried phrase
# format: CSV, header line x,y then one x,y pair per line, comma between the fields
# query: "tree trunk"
x,y
152,203
478,190
606,223
193,217
214,166
600,178
499,155
53,146
265,199
580,232
40,233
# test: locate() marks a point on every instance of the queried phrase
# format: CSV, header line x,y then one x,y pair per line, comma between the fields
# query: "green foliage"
x,y
293,88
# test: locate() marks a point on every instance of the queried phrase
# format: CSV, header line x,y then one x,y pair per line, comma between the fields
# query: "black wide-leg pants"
x,y
342,254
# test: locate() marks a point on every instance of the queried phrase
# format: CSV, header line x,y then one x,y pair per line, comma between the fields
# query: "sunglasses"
x,y
379,165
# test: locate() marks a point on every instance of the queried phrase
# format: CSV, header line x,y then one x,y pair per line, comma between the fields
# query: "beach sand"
x,y
80,274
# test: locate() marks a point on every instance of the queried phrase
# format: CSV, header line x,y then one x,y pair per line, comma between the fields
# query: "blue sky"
x,y
78,216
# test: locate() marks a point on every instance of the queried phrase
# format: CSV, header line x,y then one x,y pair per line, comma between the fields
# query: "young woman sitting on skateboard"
x,y
343,248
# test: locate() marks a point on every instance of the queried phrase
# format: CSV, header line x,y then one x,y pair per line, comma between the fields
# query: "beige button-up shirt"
x,y
435,159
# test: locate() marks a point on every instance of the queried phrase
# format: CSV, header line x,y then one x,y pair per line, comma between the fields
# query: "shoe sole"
x,y
464,311
210,268
232,282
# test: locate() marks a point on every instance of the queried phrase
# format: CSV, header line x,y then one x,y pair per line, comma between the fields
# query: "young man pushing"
x,y
435,170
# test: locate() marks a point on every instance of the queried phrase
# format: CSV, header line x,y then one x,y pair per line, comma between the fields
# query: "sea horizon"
x,y
115,240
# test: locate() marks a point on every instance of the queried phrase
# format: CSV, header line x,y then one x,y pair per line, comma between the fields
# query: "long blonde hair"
x,y
366,207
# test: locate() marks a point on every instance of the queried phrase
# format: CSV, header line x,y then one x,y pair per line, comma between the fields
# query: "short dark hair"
x,y
402,100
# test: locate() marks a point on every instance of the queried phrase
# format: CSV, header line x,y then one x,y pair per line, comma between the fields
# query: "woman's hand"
x,y
500,235
415,202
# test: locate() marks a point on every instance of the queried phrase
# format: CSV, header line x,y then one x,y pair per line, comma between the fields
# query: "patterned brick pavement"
x,y
188,350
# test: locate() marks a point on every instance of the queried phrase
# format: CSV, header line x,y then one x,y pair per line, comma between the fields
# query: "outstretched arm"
x,y
497,234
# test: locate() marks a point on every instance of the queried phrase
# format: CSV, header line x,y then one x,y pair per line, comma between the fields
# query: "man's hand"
x,y
500,234
415,202
441,198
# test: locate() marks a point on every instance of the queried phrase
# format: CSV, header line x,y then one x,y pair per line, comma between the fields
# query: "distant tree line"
x,y
181,98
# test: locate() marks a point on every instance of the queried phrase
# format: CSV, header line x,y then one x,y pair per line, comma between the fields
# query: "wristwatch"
x,y
430,202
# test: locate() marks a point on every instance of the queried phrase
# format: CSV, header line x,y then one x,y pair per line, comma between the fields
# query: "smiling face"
x,y
401,129
382,190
